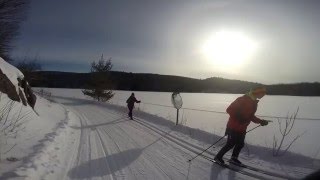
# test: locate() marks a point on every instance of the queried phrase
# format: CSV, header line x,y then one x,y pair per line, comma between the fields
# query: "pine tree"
x,y
100,84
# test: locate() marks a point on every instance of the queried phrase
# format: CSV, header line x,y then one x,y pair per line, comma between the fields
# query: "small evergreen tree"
x,y
100,85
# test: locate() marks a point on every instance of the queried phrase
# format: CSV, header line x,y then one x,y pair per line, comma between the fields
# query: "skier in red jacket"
x,y
242,112
130,101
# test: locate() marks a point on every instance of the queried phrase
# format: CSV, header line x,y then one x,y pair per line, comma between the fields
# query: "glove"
x,y
264,122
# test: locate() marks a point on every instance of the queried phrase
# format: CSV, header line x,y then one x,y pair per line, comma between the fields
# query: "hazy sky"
x,y
168,37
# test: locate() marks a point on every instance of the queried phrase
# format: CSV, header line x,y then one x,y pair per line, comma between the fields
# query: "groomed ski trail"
x,y
110,146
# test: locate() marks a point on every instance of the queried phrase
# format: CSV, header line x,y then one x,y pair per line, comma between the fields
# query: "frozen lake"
x,y
275,106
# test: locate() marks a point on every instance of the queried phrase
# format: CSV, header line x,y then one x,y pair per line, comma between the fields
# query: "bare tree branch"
x,y
285,131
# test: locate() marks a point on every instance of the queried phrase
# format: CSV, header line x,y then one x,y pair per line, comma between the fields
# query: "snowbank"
x,y
25,132
11,72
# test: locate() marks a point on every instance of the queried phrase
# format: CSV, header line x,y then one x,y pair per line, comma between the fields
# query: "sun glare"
x,y
227,48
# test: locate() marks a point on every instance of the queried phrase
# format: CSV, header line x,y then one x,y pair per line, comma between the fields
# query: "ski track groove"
x,y
119,150
169,141
111,175
106,151
136,145
146,153
81,138
241,172
158,140
76,157
161,133
160,136
253,172
112,139
83,122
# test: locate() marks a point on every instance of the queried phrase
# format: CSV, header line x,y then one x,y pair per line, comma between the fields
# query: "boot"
x,y
219,160
235,160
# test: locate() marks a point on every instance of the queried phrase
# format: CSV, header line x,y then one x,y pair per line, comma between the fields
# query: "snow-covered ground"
x,y
82,139
215,122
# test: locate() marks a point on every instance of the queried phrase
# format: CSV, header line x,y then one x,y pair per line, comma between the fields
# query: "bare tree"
x,y
28,66
100,85
12,12
278,146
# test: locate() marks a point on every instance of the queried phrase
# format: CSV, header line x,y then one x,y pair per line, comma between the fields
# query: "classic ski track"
x,y
166,143
76,150
146,153
253,174
147,160
238,170
163,139
153,162
119,150
136,144
105,151
171,139
81,138
249,167
241,169
169,142
141,123
112,176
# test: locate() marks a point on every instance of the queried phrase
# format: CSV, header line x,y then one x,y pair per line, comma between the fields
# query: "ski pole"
x,y
257,126
253,128
206,149
216,143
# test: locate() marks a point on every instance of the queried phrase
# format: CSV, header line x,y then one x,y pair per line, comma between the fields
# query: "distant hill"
x,y
167,83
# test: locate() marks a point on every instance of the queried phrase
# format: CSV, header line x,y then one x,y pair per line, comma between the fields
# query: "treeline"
x,y
167,83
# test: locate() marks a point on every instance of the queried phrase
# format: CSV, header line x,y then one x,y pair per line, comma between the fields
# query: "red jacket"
x,y
241,113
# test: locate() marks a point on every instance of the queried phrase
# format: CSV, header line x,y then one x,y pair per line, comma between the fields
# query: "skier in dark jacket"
x,y
242,112
130,101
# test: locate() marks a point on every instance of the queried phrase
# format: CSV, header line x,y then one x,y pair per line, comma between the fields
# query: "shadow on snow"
x,y
106,165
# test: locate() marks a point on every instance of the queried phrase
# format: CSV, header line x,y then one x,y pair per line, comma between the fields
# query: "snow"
x,y
77,138
11,72
215,122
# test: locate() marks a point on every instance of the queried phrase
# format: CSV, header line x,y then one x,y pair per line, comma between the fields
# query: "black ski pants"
x,y
130,111
236,141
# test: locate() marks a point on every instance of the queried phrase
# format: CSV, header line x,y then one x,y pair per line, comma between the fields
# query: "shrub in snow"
x,y
11,122
278,144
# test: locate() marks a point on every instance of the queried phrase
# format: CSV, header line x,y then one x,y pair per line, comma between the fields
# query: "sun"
x,y
228,48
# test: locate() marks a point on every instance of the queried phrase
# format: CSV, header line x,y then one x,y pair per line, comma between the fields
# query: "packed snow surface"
x,y
91,140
